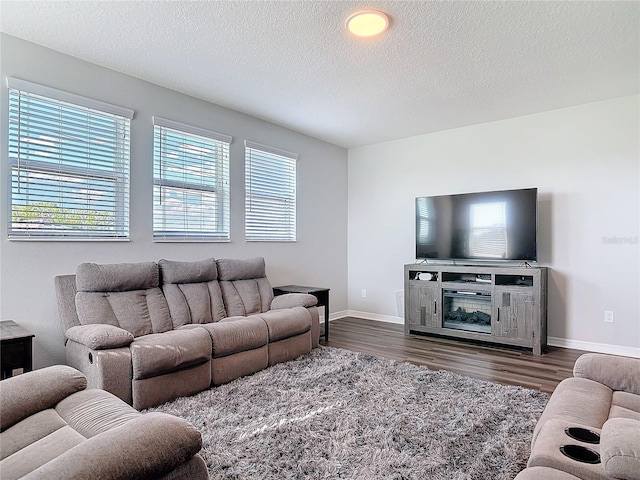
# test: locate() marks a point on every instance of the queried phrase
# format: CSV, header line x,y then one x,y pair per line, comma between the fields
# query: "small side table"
x,y
322,294
15,348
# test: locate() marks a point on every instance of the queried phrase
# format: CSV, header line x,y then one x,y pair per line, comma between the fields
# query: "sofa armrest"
x,y
99,336
152,444
616,372
66,295
620,448
290,300
23,395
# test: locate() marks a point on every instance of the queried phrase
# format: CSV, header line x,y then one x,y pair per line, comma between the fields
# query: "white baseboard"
x,y
374,316
552,341
594,347
336,315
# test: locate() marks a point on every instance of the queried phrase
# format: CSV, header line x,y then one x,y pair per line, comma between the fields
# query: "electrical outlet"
x,y
608,316
364,293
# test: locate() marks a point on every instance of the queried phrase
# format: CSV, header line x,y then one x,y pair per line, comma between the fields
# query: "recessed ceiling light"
x,y
368,23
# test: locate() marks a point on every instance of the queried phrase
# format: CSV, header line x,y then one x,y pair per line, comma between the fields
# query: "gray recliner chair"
x,y
52,427
590,429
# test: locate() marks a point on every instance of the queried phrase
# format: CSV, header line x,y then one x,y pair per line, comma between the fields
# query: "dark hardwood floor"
x,y
496,364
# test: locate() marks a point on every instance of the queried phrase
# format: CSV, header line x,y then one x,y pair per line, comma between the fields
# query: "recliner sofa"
x,y
52,427
151,332
603,397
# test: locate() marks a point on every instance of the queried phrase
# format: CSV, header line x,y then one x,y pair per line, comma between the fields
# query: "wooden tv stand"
x,y
499,305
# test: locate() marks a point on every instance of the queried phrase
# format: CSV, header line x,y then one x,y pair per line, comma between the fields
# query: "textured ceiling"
x,y
441,65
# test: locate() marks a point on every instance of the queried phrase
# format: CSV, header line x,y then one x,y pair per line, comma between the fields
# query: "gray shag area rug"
x,y
339,414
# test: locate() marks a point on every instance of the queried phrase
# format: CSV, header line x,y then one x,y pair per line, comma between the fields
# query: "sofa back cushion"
x,y
125,295
25,395
244,285
192,291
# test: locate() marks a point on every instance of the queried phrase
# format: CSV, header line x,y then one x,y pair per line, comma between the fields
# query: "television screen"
x,y
483,226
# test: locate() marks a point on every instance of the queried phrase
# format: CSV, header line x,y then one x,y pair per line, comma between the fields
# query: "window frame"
x,y
222,165
259,230
66,170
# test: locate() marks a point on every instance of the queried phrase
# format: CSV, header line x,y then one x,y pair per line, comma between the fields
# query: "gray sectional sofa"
x,y
151,332
603,397
52,427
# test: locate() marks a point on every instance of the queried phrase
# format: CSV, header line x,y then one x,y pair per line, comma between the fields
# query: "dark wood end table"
x,y
322,294
15,348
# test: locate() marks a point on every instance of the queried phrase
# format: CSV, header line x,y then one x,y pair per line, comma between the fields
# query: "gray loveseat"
x,y
52,427
603,397
151,332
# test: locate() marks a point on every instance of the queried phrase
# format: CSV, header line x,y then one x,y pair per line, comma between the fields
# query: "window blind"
x,y
191,183
270,193
69,165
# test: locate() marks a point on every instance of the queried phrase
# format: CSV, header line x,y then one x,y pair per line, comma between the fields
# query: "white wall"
x,y
27,268
584,161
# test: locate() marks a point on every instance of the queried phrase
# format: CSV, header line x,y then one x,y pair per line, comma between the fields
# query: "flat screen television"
x,y
499,226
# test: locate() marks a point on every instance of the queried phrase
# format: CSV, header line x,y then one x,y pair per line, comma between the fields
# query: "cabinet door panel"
x,y
514,315
424,308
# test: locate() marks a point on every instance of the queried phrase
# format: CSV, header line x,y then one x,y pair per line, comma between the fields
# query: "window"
x,y
270,197
69,165
190,183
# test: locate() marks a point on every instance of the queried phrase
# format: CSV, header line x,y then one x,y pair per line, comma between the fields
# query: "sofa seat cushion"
x,y
236,334
45,447
621,412
29,430
620,448
287,323
150,446
94,411
577,400
87,412
161,353
627,400
625,405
